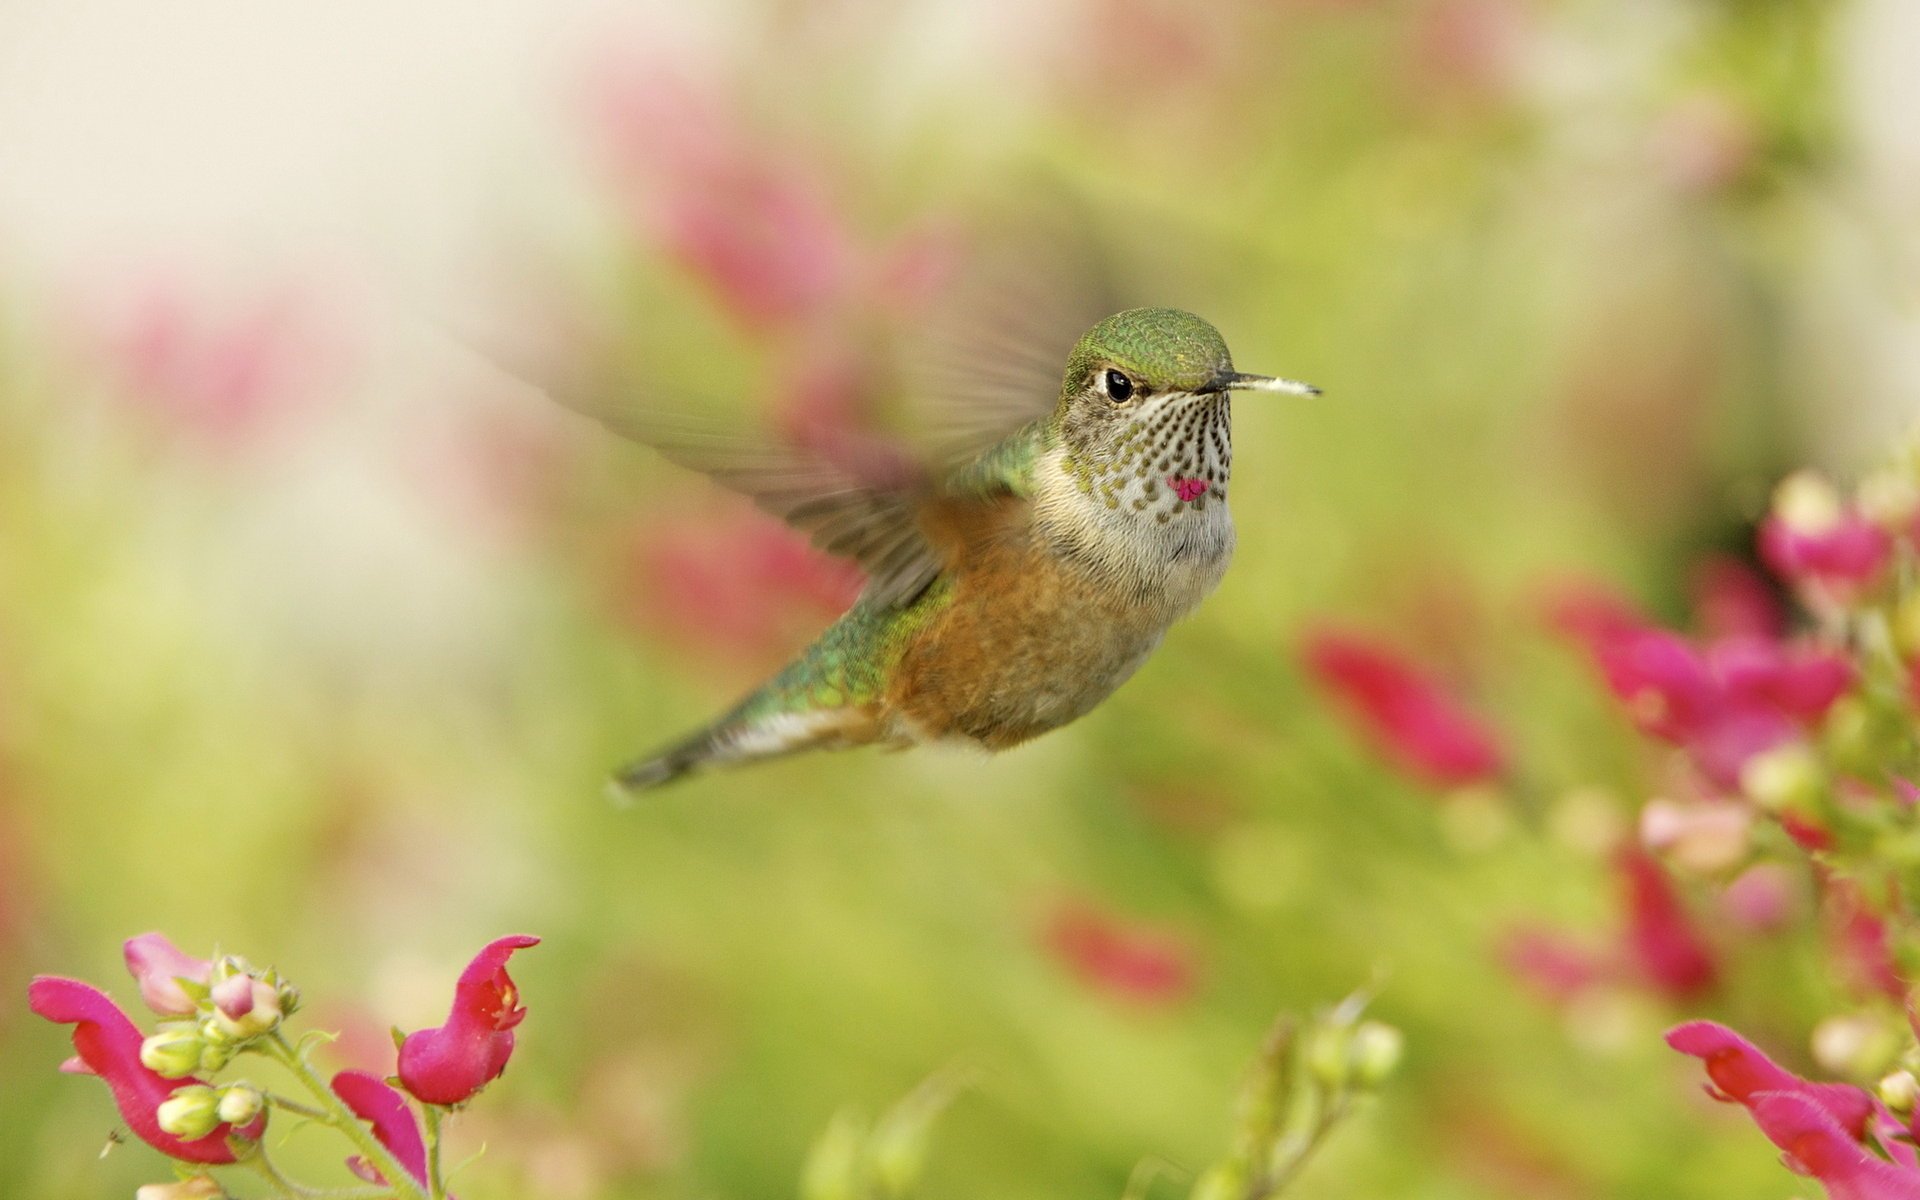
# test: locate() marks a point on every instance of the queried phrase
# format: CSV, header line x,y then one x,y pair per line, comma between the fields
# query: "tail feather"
x,y
736,739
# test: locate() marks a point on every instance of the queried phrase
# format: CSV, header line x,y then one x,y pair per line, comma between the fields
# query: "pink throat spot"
x,y
1186,487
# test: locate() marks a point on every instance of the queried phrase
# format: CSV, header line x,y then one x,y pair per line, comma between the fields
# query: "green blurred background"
x,y
317,639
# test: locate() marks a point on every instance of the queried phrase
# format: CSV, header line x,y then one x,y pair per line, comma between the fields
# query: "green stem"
x,y
400,1181
298,1109
436,1182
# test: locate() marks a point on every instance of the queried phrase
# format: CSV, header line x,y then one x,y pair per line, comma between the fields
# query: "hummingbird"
x,y
1008,593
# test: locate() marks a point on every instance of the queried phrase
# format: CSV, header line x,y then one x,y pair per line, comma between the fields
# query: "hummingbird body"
x,y
1012,595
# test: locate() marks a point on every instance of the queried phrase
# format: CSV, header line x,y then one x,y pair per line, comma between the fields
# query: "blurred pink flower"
x,y
1118,957
1406,715
448,1064
158,965
1662,943
1761,899
1858,939
1658,944
1850,555
1732,600
1555,967
1736,698
1741,1074
1704,143
108,1045
1813,1143
394,1125
739,584
226,377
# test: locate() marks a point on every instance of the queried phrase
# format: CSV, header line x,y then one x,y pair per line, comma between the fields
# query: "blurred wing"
x,y
992,353
857,500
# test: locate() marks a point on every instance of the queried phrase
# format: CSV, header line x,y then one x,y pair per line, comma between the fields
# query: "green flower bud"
x,y
1376,1052
216,1051
1785,777
1327,1055
240,1104
190,1113
172,1053
1899,1090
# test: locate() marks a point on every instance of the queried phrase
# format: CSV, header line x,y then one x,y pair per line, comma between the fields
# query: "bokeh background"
x,y
318,635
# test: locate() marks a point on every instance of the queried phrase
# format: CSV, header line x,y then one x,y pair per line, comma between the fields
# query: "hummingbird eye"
x,y
1119,387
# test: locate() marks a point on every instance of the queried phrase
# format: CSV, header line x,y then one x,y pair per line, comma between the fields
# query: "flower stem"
x,y
400,1181
298,1109
436,1182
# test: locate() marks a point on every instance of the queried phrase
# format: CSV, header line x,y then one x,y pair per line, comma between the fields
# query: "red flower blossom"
x,y
1661,941
1405,714
1842,559
448,1064
394,1125
1741,1074
1550,963
1858,938
158,965
1732,600
1736,698
1120,958
108,1045
1813,1143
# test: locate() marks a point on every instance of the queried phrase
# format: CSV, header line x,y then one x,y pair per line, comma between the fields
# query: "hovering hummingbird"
x,y
1010,594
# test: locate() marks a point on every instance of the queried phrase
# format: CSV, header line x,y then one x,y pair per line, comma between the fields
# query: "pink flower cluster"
x,y
217,1009
1840,1135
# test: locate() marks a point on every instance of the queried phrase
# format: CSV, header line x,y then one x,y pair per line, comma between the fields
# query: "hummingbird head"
x,y
1145,398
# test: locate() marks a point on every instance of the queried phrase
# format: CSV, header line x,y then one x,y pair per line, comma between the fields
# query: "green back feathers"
x,y
1163,348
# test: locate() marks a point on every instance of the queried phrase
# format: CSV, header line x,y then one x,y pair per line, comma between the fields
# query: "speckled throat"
x,y
1172,457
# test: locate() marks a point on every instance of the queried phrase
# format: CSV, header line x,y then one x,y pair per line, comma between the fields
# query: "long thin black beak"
x,y
1240,381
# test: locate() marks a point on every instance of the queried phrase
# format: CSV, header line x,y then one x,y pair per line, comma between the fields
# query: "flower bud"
x,y
1327,1055
1807,503
200,1187
159,967
172,1053
1785,777
1854,1044
1899,1090
216,1051
1890,498
240,1104
189,1113
245,1007
1376,1052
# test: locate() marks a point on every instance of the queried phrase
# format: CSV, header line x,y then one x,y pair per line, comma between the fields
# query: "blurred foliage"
x,y
333,658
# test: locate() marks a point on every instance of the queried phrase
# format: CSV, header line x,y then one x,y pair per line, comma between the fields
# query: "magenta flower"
x,y
1725,704
1662,943
108,1045
1741,1074
394,1125
1814,1144
158,966
447,1065
1842,559
1405,714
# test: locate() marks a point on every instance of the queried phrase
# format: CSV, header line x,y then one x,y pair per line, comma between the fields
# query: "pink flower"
x,y
1761,899
1406,715
1118,957
1848,557
1732,600
448,1064
1550,963
158,966
1741,1074
108,1045
1661,941
1814,1143
1858,938
394,1125
1725,704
